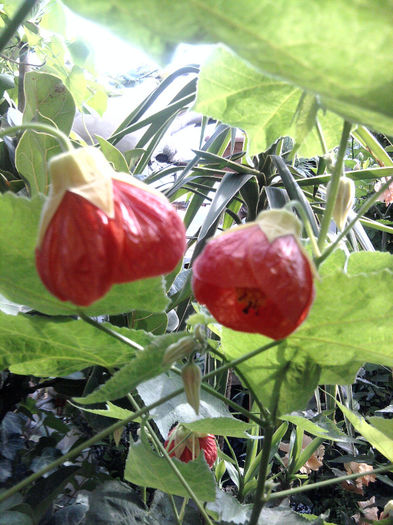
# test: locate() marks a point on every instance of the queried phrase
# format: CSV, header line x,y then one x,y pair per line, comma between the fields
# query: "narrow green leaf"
x,y
113,155
220,426
375,436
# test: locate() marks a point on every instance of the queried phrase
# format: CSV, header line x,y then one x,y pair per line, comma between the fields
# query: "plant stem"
x,y
19,17
327,482
159,446
80,448
110,332
320,136
362,210
263,468
61,137
334,183
306,223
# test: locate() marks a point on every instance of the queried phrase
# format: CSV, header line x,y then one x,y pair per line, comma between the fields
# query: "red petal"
x,y
253,286
225,259
79,250
154,234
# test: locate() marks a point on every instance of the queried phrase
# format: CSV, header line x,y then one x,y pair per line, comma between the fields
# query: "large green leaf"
x,y
276,374
349,324
147,469
36,345
145,365
319,46
47,101
19,281
237,94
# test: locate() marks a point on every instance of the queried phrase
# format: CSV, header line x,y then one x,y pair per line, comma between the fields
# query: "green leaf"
x,y
275,374
147,469
177,409
237,94
227,509
321,426
220,426
365,262
331,126
114,502
349,324
383,425
144,365
47,101
113,411
113,155
34,345
313,46
31,158
19,281
375,436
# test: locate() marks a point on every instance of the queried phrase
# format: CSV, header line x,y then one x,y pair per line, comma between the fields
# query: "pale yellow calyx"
x,y
344,202
276,223
84,171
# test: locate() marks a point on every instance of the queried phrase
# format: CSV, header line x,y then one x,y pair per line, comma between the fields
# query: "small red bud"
x,y
99,228
188,448
256,278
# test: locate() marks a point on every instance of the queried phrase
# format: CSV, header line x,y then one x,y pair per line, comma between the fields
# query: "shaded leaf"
x,y
143,366
147,469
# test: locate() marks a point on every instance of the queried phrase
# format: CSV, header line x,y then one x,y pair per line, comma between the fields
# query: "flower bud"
x,y
99,227
344,202
182,348
186,445
256,277
192,378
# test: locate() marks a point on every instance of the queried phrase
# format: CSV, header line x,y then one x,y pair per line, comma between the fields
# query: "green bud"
x,y
182,348
192,378
344,201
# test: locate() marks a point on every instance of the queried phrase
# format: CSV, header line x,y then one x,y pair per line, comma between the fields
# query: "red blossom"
x,y
186,445
255,284
85,246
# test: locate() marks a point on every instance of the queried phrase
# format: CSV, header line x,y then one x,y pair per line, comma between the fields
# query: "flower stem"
x,y
306,223
260,499
61,137
19,17
327,482
110,332
334,183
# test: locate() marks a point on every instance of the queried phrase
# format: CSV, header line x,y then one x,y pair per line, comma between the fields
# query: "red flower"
x,y
99,228
186,445
256,278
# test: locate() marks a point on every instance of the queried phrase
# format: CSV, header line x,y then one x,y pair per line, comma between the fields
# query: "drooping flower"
x,y
186,445
256,277
99,228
